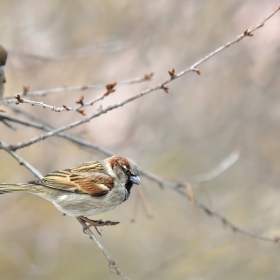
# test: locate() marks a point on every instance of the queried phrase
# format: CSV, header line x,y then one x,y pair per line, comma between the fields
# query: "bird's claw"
x,y
96,223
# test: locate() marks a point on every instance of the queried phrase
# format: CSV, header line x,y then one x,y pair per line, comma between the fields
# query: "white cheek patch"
x,y
109,170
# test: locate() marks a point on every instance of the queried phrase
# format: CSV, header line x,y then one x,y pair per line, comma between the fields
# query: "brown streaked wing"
x,y
89,178
91,166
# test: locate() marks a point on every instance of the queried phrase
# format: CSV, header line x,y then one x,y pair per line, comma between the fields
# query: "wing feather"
x,y
89,178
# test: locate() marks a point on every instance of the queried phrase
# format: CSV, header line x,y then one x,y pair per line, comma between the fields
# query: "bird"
x,y
3,59
88,189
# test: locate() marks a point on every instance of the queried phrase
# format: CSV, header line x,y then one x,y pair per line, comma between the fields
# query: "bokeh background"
x,y
234,102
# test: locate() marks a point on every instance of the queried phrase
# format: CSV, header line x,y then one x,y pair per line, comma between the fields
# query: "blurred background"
x,y
187,132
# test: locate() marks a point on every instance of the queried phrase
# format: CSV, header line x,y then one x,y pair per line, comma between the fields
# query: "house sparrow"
x,y
3,59
87,189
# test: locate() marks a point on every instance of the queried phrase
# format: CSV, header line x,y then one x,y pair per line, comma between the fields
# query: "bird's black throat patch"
x,y
128,187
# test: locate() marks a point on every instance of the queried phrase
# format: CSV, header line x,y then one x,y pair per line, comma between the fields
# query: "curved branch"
x,y
219,169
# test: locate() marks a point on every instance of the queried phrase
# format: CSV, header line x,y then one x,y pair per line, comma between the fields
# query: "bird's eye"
x,y
126,171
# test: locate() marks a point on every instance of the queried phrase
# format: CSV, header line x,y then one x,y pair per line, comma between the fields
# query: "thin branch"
x,y
63,135
163,85
21,161
177,188
61,129
110,88
247,33
234,228
22,122
7,124
112,265
57,109
144,78
219,169
20,100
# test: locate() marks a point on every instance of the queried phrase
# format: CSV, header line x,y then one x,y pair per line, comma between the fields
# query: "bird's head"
x,y
123,169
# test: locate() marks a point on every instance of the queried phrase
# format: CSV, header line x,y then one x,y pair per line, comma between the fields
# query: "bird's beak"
x,y
135,179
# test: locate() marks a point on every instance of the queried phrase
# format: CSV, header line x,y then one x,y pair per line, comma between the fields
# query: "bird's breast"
x,y
74,204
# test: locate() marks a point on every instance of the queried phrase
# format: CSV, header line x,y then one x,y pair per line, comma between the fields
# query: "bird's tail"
x,y
7,188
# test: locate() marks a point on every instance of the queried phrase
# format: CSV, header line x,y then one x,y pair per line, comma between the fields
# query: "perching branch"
x,y
219,169
112,265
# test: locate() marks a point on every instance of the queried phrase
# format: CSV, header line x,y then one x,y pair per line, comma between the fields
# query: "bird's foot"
x,y
96,223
